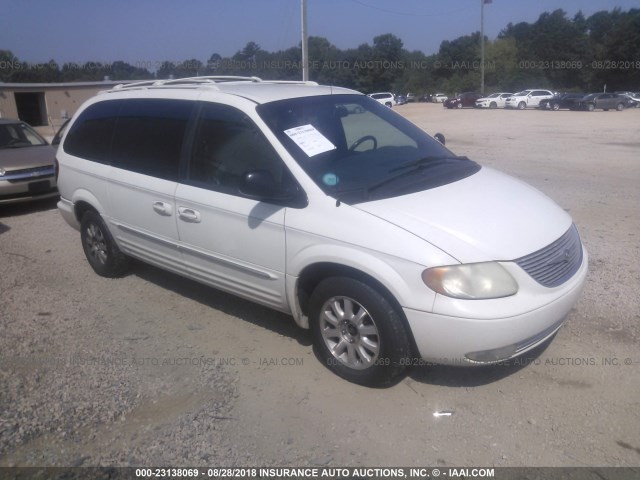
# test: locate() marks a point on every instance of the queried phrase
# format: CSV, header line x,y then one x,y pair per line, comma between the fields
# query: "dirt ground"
x,y
152,369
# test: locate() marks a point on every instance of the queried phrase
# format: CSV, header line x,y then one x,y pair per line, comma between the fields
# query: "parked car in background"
x,y
411,97
563,101
439,98
605,101
385,98
26,164
425,98
495,100
530,98
400,99
467,99
633,96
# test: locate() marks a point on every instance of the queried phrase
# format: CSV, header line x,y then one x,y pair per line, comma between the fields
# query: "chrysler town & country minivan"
x,y
320,202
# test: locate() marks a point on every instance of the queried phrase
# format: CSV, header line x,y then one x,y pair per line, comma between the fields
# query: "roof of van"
x,y
252,88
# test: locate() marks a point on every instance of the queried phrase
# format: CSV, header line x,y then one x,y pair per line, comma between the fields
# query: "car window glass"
x,y
360,123
356,149
227,145
148,136
19,135
91,134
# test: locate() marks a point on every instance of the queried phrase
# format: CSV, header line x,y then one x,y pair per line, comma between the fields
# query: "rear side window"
x,y
90,136
148,136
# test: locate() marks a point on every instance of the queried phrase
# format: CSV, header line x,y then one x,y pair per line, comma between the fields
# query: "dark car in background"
x,y
400,99
633,96
563,101
26,163
605,101
467,99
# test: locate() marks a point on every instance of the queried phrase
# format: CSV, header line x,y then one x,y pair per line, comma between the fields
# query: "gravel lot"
x,y
154,370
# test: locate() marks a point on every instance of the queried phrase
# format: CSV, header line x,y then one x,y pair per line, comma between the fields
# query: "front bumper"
x,y
15,189
453,340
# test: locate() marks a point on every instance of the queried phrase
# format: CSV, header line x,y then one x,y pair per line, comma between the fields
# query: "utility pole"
x,y
482,2
305,43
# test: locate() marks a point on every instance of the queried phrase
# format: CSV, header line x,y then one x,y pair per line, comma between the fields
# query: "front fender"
x,y
400,277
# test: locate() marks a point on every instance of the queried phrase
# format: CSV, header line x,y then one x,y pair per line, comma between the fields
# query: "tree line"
x,y
556,51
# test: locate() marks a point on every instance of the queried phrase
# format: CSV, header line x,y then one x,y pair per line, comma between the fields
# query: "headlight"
x,y
472,281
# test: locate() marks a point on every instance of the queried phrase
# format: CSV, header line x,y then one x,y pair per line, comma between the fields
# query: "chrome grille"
x,y
26,174
556,263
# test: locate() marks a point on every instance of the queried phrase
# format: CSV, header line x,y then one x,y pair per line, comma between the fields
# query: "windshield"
x,y
18,135
356,149
524,93
494,95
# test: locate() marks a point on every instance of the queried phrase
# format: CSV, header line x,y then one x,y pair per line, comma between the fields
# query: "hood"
x,y
487,216
27,157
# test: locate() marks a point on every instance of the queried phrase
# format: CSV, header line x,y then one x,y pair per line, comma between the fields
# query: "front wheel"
x,y
620,107
493,105
522,106
591,107
101,250
555,107
357,333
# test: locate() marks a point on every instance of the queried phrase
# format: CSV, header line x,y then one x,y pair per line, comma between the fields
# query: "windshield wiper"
x,y
425,161
410,168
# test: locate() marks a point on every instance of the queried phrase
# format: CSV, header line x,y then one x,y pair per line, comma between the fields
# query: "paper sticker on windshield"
x,y
310,140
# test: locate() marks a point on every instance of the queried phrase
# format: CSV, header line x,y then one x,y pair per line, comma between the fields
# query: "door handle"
x,y
162,208
189,215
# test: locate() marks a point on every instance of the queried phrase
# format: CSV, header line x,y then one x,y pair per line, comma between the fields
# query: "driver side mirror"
x,y
260,185
440,137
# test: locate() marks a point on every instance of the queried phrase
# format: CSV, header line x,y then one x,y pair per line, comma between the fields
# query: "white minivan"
x,y
322,203
527,98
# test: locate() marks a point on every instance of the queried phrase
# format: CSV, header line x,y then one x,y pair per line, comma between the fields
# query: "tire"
x,y
357,333
591,107
555,107
459,105
493,105
101,251
620,107
522,106
388,104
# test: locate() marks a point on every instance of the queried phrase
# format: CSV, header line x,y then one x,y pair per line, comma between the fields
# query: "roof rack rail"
x,y
211,79
187,81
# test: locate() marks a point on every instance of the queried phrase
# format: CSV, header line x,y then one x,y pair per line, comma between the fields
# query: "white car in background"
x,y
439,98
385,98
527,98
495,100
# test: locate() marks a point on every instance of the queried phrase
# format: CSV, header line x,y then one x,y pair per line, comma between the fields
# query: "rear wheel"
x,y
357,333
591,107
459,105
101,251
620,107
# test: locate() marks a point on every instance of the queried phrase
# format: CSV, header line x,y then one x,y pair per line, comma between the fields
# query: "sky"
x,y
147,32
